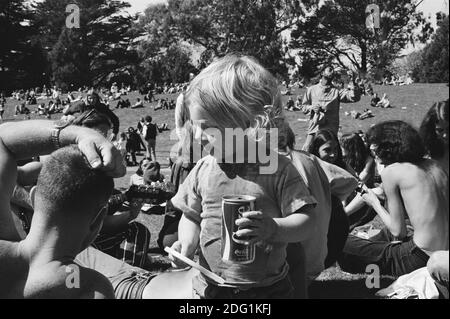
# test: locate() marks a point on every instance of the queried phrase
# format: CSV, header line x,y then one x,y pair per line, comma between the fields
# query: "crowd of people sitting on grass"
x,y
55,103
310,210
398,80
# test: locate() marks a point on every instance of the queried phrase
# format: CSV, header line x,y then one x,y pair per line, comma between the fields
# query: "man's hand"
x,y
256,226
369,197
101,154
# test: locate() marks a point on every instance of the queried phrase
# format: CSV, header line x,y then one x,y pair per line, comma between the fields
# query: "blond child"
x,y
233,93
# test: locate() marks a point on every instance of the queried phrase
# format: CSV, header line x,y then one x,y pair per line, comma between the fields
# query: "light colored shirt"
x,y
277,195
329,99
135,179
323,180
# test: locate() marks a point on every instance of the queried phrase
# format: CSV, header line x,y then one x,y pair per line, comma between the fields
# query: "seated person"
x,y
138,177
52,107
69,205
21,109
42,109
414,187
121,104
299,103
375,100
438,268
290,104
152,174
384,102
121,236
326,182
138,104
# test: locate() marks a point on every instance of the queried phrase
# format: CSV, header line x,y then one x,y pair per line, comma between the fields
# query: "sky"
x,y
141,5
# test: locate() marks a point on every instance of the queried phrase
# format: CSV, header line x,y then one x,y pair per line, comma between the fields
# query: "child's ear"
x,y
33,195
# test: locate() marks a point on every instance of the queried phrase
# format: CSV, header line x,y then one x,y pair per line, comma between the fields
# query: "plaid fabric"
x,y
130,246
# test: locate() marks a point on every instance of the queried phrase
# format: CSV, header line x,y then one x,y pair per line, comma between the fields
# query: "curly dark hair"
x,y
322,137
357,151
396,142
434,144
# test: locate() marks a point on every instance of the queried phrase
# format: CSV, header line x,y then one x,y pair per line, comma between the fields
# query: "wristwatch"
x,y
57,127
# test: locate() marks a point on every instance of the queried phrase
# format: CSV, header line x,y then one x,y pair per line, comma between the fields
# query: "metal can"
x,y
236,250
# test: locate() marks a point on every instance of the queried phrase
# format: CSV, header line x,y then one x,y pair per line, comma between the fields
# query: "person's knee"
x,y
438,263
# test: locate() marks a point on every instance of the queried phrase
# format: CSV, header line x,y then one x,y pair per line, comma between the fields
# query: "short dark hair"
x,y
435,146
148,118
397,142
67,184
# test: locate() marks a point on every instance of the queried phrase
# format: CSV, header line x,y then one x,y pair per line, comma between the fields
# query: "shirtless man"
x,y
69,203
416,189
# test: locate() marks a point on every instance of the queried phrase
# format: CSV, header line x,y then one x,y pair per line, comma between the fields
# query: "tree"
x,y
101,48
219,27
433,67
21,62
338,32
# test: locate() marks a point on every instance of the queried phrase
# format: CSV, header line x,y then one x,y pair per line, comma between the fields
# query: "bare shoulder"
x,y
398,171
95,285
67,281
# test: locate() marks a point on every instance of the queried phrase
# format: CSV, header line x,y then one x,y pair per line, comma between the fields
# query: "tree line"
x,y
170,41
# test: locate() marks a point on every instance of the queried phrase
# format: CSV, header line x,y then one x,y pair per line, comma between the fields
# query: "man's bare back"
x,y
424,192
21,277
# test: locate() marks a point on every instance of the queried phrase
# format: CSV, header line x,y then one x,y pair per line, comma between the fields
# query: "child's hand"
x,y
176,263
256,227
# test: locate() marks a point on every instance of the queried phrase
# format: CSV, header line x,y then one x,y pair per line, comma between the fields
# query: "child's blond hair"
x,y
235,91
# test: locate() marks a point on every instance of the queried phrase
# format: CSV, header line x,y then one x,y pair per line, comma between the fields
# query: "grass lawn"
x,y
410,103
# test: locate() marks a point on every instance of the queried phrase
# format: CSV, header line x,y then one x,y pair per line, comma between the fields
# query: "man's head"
x,y
148,119
69,193
329,74
396,142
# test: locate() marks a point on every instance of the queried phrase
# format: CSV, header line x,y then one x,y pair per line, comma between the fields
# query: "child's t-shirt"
x,y
277,195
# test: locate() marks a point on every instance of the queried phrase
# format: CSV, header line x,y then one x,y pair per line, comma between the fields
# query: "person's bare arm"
x,y
366,173
356,204
8,177
26,139
28,173
188,240
394,217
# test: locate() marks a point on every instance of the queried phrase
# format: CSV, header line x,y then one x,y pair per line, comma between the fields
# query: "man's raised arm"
x,y
26,139
34,138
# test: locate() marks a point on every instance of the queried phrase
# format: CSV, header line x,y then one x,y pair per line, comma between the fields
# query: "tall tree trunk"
x,y
363,58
